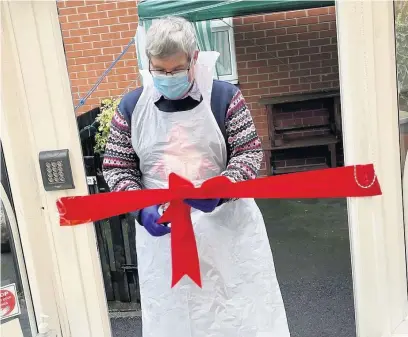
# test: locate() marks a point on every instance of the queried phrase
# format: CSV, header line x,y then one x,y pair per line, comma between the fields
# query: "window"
x,y
223,39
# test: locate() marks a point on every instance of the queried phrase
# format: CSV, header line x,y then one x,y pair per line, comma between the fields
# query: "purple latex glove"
x,y
149,217
204,205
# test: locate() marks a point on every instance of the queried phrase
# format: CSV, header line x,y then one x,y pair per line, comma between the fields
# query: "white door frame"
x,y
366,46
63,264
37,114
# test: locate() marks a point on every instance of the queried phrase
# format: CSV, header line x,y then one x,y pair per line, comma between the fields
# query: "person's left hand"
x,y
204,205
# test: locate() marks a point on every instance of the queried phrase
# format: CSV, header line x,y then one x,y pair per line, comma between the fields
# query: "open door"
x,y
371,254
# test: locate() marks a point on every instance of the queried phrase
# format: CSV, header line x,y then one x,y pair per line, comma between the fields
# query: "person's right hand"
x,y
149,217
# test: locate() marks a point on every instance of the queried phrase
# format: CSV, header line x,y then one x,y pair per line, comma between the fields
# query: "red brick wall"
x,y
312,113
282,53
94,34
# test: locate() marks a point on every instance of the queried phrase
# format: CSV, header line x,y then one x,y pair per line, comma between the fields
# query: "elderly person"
x,y
185,122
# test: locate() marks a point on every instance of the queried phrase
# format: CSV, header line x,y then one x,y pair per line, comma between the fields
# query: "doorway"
x,y
369,268
286,66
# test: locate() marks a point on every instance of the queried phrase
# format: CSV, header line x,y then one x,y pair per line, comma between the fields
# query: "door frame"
x,y
369,100
63,264
37,114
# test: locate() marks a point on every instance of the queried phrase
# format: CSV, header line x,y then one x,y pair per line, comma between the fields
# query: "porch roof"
x,y
200,10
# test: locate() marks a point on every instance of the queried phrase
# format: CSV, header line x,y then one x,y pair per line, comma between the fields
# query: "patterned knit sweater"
x,y
121,163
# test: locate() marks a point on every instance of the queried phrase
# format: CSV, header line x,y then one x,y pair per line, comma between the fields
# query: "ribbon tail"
x,y
184,254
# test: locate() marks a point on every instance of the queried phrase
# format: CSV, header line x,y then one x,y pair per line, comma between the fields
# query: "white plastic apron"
x,y
240,295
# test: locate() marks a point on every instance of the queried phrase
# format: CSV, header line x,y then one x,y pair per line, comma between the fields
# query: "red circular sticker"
x,y
7,302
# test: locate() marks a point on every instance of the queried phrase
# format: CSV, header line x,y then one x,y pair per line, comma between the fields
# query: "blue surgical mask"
x,y
172,86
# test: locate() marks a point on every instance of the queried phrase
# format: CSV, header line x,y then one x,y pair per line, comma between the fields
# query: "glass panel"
x,y
222,45
15,302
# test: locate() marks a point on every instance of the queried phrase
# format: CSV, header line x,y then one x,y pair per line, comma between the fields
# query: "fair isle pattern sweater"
x,y
121,163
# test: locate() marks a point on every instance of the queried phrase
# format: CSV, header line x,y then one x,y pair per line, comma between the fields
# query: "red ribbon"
x,y
349,181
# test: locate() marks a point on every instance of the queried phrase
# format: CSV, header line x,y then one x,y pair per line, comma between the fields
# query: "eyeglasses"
x,y
169,73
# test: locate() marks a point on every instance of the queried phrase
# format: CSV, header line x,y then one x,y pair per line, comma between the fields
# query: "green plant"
x,y
108,108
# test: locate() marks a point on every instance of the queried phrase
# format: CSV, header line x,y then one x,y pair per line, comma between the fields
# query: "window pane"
x,y
222,45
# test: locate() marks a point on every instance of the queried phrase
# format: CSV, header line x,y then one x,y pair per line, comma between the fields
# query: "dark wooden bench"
x,y
279,144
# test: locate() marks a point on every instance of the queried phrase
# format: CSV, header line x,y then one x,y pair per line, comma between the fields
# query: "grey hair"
x,y
169,36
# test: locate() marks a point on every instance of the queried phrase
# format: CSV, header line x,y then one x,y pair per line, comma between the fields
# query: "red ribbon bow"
x,y
349,181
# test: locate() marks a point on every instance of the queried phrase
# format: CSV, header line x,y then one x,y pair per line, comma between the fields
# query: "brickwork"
x,y
313,117
283,53
94,34
307,114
